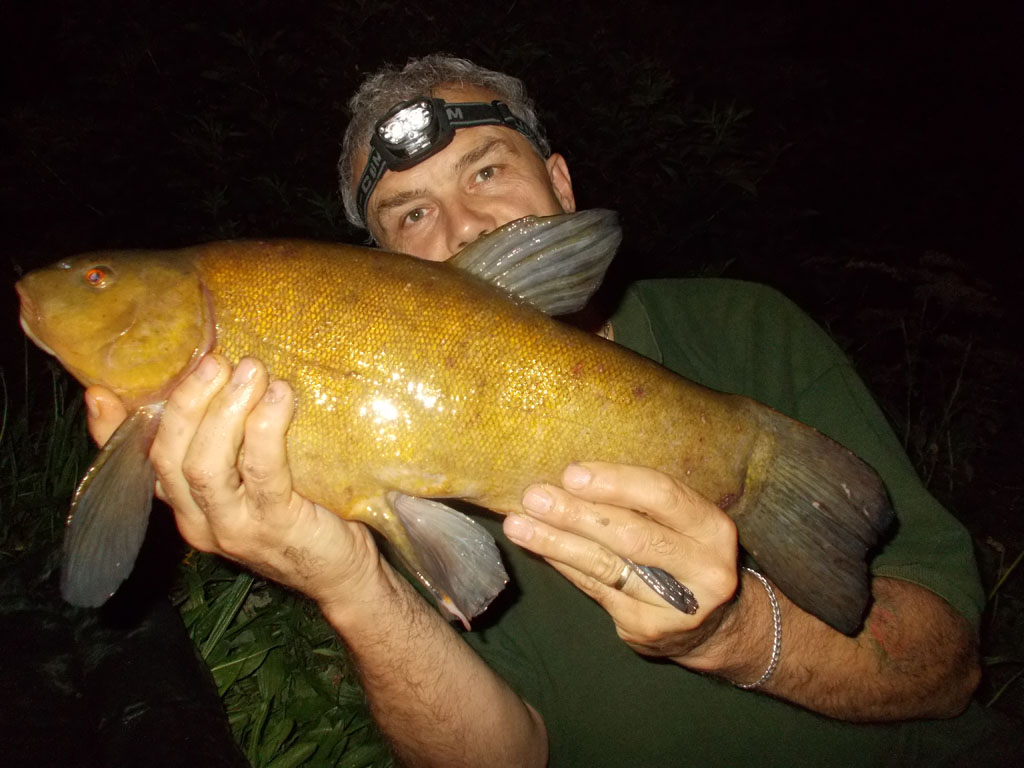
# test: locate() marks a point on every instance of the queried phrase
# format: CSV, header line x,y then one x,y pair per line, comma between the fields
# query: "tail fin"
x,y
816,511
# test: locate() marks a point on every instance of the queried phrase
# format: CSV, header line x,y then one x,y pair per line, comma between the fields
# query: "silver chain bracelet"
x,y
776,627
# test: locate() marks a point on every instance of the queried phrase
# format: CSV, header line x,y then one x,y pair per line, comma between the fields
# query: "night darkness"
x,y
866,163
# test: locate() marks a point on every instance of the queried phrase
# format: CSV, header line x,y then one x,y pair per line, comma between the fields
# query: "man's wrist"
x,y
773,663
739,645
362,598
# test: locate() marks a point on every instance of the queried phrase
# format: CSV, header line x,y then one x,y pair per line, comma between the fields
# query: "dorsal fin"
x,y
555,263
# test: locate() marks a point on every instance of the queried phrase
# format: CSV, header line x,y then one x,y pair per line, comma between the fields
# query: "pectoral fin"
x,y
459,562
109,513
554,263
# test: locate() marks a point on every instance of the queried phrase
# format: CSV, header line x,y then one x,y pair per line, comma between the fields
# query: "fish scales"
x,y
412,376
417,380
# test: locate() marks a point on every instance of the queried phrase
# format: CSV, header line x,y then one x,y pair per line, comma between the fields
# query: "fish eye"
x,y
97,276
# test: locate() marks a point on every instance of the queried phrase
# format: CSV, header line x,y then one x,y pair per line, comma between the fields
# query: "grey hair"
x,y
389,86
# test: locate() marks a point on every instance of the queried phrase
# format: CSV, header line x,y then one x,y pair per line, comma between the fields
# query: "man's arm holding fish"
x,y
915,656
221,464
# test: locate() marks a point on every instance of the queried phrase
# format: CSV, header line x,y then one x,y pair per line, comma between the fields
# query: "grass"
x,y
286,683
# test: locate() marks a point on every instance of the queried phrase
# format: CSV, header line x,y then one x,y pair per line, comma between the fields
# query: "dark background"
x,y
864,160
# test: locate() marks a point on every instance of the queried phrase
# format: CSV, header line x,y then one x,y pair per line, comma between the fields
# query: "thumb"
x,y
105,412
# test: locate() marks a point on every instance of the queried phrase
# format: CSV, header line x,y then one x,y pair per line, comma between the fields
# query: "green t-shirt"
x,y
603,704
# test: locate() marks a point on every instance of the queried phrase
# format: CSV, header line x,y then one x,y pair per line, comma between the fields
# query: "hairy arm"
x,y
437,702
914,658
221,464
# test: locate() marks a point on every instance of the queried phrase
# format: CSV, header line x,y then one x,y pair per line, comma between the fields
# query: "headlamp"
x,y
416,129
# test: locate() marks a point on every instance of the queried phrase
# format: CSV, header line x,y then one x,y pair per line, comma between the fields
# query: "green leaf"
x,y
271,674
297,754
228,609
239,666
274,736
361,756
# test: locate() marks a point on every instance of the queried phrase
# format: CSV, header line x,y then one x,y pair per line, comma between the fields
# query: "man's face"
x,y
488,176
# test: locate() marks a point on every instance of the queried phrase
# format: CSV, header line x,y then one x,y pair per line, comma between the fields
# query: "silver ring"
x,y
623,577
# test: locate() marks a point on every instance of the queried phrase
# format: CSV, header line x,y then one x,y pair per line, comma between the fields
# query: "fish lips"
x,y
28,317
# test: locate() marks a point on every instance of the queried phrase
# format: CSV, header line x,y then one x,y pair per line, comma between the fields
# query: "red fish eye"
x,y
96,276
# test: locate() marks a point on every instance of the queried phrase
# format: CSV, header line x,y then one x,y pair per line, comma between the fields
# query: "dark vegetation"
x,y
865,164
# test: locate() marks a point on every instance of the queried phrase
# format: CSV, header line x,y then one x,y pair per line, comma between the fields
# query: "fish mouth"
x,y
27,328
28,315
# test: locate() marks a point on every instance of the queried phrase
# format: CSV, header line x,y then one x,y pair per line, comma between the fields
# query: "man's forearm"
x,y
914,658
436,701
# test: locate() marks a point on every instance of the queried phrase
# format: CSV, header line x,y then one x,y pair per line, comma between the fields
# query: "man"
x,y
546,678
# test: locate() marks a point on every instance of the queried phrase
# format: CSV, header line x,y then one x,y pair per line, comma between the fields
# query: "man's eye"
x,y
485,174
414,215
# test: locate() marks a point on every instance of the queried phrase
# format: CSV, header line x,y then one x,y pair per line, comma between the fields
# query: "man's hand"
x,y
221,464
607,512
914,657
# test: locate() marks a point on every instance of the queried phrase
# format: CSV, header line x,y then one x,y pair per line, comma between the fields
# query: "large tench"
x,y
418,381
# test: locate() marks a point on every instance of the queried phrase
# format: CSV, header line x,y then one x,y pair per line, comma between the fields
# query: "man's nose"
x,y
468,221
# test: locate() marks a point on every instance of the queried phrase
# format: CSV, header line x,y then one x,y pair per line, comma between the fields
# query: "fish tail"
x,y
815,513
456,558
110,513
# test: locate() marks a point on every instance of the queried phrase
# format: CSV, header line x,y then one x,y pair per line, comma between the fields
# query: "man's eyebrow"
x,y
397,200
479,153
469,158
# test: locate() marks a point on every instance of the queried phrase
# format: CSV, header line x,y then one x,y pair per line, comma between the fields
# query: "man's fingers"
x,y
594,569
607,513
105,412
264,465
624,604
182,415
639,488
617,529
666,507
211,462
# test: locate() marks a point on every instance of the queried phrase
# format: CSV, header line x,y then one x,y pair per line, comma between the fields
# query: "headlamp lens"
x,y
405,129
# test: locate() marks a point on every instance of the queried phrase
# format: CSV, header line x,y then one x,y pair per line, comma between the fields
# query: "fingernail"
x,y
243,373
275,392
91,407
517,528
576,476
207,369
536,500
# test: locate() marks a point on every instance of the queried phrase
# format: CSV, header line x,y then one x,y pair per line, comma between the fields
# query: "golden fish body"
x,y
410,377
413,377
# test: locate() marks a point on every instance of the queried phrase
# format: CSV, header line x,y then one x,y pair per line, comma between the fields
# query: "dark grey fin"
x,y
459,561
816,514
666,586
110,512
555,263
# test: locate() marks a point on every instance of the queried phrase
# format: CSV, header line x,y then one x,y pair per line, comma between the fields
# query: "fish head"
x,y
134,322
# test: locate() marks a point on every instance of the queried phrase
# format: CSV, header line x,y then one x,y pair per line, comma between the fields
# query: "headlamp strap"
x,y
472,113
446,117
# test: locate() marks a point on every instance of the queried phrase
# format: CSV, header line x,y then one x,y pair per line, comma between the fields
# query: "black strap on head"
x,y
417,129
